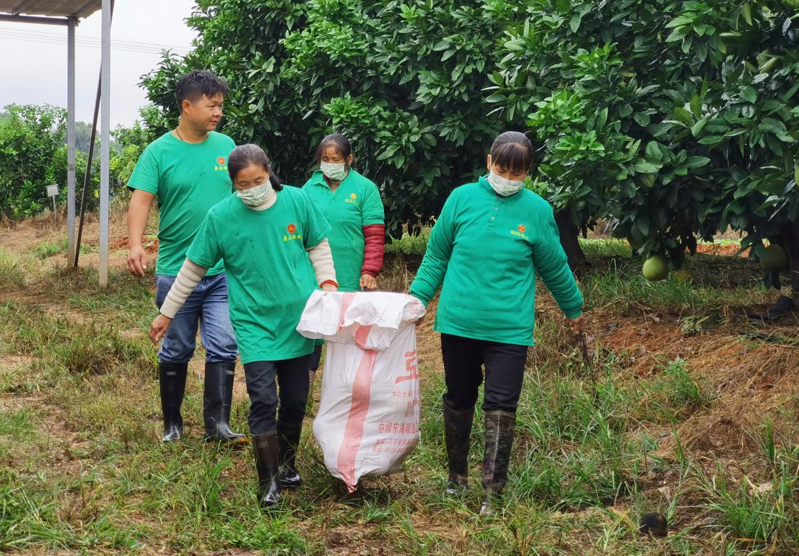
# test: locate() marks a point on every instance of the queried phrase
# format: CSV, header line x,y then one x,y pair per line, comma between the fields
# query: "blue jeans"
x,y
206,307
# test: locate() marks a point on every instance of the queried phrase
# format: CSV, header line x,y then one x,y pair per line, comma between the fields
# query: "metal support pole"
x,y
87,178
105,140
71,140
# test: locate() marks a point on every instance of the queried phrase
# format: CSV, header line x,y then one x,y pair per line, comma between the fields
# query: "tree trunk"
x,y
569,234
790,242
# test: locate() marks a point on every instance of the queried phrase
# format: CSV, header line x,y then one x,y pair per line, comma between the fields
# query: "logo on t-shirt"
x,y
221,165
292,233
520,231
353,199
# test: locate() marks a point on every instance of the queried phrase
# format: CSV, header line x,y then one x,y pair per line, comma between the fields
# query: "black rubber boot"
x,y
267,454
217,397
500,426
288,438
173,386
457,433
782,307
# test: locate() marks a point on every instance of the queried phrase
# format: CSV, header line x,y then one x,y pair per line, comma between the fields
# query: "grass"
x,y
621,286
11,272
48,249
675,394
84,471
755,513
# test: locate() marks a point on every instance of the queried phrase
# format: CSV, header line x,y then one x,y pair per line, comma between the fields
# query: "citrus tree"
x,y
29,138
678,119
403,80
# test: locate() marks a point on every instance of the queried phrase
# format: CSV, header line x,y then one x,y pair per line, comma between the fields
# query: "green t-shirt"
x,y
486,250
354,204
187,180
269,274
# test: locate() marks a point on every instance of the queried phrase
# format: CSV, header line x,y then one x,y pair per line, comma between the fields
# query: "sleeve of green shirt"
x,y
316,225
436,259
372,210
146,174
204,250
552,265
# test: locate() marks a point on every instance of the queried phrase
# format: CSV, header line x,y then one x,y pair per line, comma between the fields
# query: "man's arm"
x,y
138,213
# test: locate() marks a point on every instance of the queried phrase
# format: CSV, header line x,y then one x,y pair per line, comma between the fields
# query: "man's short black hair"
x,y
198,83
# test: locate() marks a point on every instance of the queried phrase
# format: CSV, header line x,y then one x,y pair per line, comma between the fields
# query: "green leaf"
x,y
627,188
683,116
696,105
642,223
563,6
746,12
687,44
602,119
677,34
496,78
712,140
697,128
641,118
646,168
659,131
653,150
749,94
574,24
679,22
694,162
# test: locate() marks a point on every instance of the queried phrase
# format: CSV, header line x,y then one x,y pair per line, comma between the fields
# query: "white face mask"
x,y
503,186
256,196
334,171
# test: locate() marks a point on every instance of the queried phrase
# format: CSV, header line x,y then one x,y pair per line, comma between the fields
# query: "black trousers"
x,y
263,379
315,358
463,371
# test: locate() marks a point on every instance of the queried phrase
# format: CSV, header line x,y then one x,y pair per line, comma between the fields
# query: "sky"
x,y
33,58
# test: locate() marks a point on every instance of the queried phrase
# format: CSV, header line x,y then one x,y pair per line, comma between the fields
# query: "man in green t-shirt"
x,y
186,171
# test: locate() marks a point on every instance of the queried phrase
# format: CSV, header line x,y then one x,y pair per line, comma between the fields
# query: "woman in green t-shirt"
x,y
485,248
352,205
266,235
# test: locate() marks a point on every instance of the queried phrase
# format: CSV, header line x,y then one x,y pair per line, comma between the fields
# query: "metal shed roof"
x,y
50,8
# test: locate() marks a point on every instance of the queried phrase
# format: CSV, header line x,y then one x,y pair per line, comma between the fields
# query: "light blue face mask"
x,y
503,186
334,171
256,196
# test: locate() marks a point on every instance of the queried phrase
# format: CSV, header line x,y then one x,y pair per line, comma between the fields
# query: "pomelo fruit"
x,y
774,258
656,268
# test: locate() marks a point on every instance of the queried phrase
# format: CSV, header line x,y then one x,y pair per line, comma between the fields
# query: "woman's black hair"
x,y
248,155
512,150
338,142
